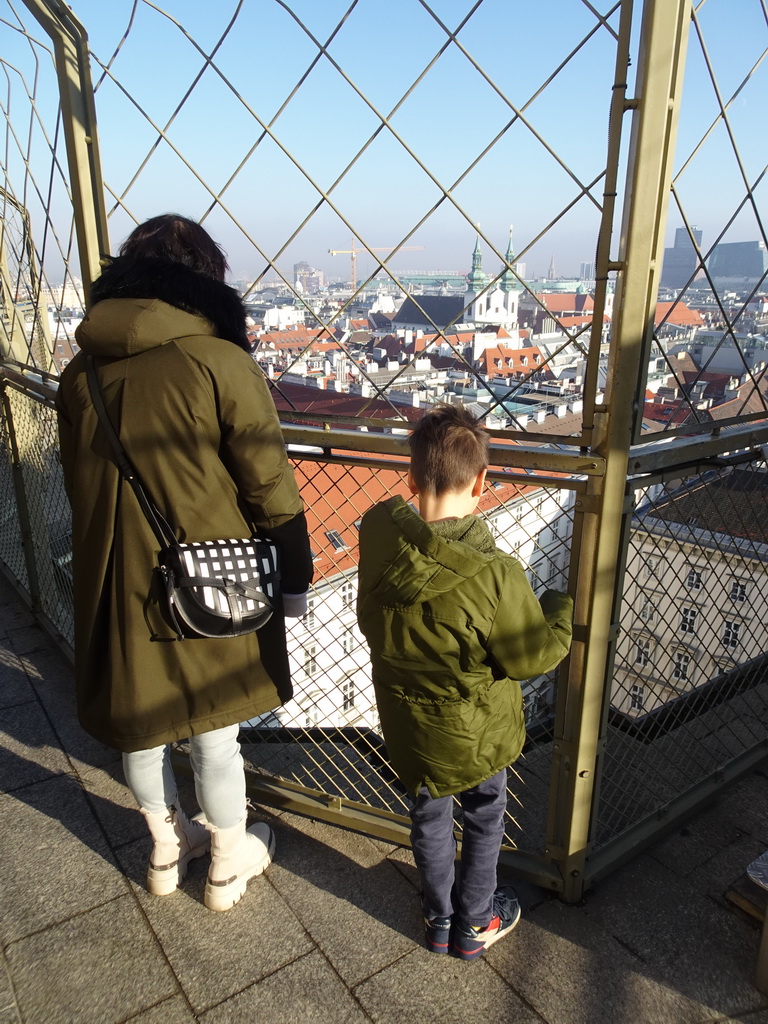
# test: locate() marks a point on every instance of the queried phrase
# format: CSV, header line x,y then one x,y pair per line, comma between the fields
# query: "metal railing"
x,y
662,699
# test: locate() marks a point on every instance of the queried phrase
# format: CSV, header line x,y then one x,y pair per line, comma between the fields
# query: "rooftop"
x,y
332,932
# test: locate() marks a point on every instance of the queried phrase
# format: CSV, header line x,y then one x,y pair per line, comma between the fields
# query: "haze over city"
x,y
284,146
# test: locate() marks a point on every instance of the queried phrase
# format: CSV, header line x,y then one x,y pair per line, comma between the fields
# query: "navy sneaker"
x,y
437,934
470,943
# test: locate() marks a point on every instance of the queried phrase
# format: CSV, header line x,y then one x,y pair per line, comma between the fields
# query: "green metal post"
x,y
603,518
78,109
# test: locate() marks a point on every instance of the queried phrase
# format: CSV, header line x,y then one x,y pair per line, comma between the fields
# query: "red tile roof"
x,y
677,314
336,496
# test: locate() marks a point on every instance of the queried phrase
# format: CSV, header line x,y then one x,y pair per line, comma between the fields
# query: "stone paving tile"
x,y
97,968
14,614
434,989
171,1011
9,1013
306,991
572,972
760,1017
29,749
114,805
688,847
352,900
15,687
714,876
53,681
739,811
216,954
54,861
684,938
26,636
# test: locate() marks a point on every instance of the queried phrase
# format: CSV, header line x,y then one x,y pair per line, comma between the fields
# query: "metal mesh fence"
x,y
328,736
290,130
269,137
39,520
690,686
709,354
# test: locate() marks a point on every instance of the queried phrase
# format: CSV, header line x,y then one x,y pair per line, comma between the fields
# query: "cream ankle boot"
x,y
236,856
177,841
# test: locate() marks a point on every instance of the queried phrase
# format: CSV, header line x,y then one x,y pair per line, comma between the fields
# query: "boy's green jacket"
x,y
453,625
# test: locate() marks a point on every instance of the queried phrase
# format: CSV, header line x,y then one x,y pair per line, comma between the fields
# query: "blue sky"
x,y
447,122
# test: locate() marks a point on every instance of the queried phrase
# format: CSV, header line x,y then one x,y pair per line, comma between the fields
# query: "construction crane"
x,y
352,253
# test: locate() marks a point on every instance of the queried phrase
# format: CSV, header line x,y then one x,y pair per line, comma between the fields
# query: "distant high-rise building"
x,y
680,261
307,280
587,272
738,265
551,272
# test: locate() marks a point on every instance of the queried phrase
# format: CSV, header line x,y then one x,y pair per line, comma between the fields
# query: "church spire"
x,y
508,280
476,279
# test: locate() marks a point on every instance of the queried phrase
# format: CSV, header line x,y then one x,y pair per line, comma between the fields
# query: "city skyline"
x,y
276,135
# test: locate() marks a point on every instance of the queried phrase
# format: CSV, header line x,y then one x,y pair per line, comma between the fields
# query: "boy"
x,y
452,625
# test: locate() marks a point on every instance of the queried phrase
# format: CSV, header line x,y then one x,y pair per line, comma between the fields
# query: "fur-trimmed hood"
x,y
126,277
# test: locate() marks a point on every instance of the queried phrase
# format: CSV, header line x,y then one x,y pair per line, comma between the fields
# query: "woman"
x,y
196,419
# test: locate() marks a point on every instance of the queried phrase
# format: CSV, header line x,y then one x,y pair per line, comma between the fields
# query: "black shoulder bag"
x,y
212,588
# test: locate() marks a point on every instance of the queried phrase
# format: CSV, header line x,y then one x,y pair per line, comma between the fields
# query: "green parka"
x,y
452,625
196,418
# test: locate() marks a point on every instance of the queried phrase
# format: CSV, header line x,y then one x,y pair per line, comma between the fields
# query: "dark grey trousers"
x,y
465,889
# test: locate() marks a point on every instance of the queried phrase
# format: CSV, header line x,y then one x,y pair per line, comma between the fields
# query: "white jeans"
x,y
219,776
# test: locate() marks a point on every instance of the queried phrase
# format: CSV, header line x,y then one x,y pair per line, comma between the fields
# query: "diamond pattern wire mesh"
x,y
268,145
44,516
40,289
722,268
271,178
327,736
690,687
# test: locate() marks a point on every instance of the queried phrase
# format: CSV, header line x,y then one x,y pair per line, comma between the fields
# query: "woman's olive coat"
x,y
196,418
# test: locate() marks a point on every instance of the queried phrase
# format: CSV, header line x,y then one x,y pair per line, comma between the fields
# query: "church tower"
x,y
509,284
474,302
494,306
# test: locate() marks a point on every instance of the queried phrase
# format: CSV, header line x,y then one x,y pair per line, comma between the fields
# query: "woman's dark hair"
x,y
180,240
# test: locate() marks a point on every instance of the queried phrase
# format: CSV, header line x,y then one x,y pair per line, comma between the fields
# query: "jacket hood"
x,y
427,559
176,285
116,328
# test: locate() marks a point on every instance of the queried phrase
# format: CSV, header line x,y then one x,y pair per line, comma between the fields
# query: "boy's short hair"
x,y
448,449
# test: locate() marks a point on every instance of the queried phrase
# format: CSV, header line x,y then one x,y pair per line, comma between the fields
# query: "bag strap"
x,y
155,518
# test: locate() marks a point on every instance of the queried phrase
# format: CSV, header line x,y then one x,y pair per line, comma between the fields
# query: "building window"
x,y
738,591
650,567
336,539
347,695
348,641
310,660
693,579
642,652
347,591
647,610
688,620
682,664
731,633
519,511
637,697
554,571
309,617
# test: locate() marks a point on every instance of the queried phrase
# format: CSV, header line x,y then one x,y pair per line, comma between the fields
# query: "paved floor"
x,y
331,933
